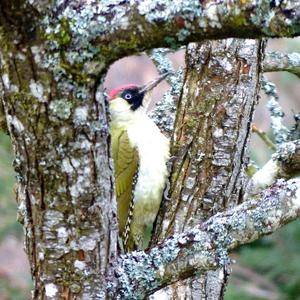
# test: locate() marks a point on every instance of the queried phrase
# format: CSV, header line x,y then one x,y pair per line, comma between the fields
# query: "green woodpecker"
x,y
140,153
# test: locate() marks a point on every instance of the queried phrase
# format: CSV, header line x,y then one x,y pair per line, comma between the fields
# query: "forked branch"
x,y
206,246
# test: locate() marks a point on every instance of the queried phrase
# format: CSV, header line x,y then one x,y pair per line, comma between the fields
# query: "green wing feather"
x,y
126,164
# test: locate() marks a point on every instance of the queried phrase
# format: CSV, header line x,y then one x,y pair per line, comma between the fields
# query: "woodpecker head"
x,y
129,98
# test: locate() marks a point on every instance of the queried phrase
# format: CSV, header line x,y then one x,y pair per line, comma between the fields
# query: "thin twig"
x,y
263,135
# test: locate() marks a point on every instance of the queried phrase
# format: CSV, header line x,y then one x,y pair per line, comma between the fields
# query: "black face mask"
x,y
134,97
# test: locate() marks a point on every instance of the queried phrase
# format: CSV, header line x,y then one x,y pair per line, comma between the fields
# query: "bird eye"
x,y
128,96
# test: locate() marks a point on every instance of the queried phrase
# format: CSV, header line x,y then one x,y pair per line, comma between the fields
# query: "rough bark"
x,y
118,28
65,181
276,61
206,246
108,30
53,57
210,142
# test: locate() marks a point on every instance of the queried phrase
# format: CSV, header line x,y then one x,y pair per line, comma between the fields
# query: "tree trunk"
x,y
65,184
210,144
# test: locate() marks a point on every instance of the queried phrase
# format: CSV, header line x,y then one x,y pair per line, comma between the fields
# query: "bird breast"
x,y
153,151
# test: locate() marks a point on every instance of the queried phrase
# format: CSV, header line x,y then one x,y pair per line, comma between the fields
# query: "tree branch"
x,y
276,61
280,131
108,30
205,247
285,163
164,111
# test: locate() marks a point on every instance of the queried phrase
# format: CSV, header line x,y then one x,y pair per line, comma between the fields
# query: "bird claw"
x,y
166,190
170,163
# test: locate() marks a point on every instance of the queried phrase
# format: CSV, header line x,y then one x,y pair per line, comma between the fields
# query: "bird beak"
x,y
152,84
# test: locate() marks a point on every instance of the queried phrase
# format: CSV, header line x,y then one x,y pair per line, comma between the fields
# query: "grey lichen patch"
x,y
277,61
15,124
295,192
280,132
183,34
55,234
88,243
132,270
211,14
37,90
220,232
80,116
140,272
189,10
161,60
288,159
52,218
61,109
77,26
72,28
51,291
163,113
286,151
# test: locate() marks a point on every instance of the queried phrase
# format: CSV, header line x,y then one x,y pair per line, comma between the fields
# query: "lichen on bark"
x,y
53,57
210,140
59,130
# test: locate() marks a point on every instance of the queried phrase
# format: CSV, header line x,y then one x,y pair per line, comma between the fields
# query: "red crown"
x,y
114,92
